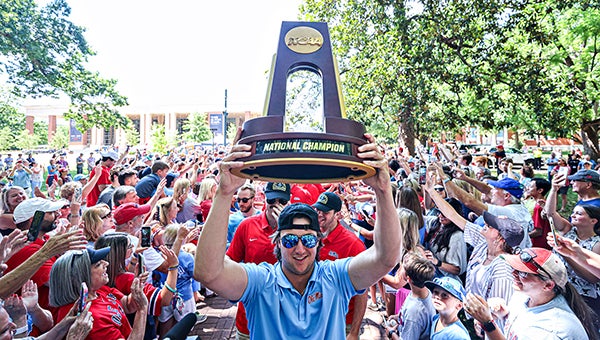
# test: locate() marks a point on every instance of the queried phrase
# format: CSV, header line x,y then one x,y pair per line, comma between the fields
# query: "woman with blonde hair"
x,y
95,222
208,188
165,214
11,197
188,207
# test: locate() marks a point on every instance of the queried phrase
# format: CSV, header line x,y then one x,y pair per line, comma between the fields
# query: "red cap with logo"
x,y
126,212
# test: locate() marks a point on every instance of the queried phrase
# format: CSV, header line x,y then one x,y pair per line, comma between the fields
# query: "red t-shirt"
x,y
340,244
251,244
123,284
104,179
540,223
205,208
41,276
110,321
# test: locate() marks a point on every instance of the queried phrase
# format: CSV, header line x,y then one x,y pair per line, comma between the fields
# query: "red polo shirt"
x,y
340,244
92,197
251,244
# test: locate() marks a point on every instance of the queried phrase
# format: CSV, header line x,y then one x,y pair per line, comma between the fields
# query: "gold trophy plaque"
x,y
304,136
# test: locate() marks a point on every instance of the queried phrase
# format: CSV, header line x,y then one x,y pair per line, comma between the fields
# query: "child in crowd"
x,y
448,297
417,310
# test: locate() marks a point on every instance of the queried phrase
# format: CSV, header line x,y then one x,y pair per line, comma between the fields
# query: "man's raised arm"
x,y
212,268
372,264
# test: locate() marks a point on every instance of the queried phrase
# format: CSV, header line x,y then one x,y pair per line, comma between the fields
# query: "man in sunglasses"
x,y
298,297
339,243
245,200
251,242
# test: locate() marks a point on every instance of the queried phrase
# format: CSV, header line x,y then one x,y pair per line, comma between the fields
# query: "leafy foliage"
x,y
44,54
60,139
158,138
196,128
446,66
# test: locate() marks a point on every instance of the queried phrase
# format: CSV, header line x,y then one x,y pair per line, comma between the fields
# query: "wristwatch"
x,y
439,263
390,333
489,326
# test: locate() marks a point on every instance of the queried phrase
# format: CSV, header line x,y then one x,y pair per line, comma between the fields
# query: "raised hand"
x,y
59,244
169,256
372,156
83,324
29,294
228,182
138,296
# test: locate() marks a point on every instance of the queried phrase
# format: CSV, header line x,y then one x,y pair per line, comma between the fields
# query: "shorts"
x,y
563,190
189,306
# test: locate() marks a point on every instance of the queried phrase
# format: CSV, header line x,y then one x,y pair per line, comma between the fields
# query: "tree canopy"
x,y
44,54
416,68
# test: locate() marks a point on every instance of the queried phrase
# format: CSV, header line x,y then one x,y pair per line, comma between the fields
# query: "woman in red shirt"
x,y
108,305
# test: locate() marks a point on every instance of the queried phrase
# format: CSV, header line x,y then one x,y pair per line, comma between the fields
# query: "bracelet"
x,y
21,330
489,326
174,291
173,268
447,180
74,216
439,263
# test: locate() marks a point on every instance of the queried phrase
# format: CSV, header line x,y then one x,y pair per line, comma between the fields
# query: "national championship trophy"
x,y
303,139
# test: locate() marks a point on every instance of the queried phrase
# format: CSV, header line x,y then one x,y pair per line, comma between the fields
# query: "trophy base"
x,y
304,170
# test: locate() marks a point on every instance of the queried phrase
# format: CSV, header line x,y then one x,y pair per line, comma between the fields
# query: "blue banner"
x,y
75,135
215,122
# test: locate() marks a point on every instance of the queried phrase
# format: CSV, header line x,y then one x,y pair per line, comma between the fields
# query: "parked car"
x,y
518,156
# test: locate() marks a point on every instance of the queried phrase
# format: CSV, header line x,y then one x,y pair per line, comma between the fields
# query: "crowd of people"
x,y
443,246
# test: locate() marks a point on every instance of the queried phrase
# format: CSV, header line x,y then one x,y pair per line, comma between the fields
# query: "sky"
x,y
183,54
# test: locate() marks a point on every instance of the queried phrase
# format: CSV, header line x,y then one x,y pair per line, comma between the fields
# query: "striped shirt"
x,y
487,280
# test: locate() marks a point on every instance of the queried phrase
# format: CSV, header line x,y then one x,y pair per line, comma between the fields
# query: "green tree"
x,y
158,138
6,139
44,54
196,128
527,65
60,139
26,141
40,130
132,135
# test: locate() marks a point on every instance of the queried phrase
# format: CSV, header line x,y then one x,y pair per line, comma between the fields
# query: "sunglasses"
x,y
528,259
523,275
273,200
291,240
106,216
439,189
245,199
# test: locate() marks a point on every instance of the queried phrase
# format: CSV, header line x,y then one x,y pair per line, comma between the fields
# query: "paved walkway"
x,y
221,322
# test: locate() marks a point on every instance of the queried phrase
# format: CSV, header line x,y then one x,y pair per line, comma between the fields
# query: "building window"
x,y
109,136
179,125
136,124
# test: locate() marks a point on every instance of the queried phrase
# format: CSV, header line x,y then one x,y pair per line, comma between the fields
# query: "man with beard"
x,y
23,215
245,200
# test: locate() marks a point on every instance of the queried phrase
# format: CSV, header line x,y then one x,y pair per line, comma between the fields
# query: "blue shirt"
x,y
147,186
276,310
186,285
454,331
22,178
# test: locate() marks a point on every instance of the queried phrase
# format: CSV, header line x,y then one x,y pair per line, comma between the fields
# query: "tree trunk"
x,y
589,139
406,131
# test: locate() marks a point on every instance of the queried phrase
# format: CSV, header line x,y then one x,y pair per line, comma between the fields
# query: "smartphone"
x,y
82,298
146,232
422,174
563,170
141,267
34,229
553,229
77,194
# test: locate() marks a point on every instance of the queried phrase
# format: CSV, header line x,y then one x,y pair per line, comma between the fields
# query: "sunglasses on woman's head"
x,y
528,259
291,240
244,199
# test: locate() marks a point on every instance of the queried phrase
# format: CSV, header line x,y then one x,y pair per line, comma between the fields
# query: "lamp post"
x,y
225,121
